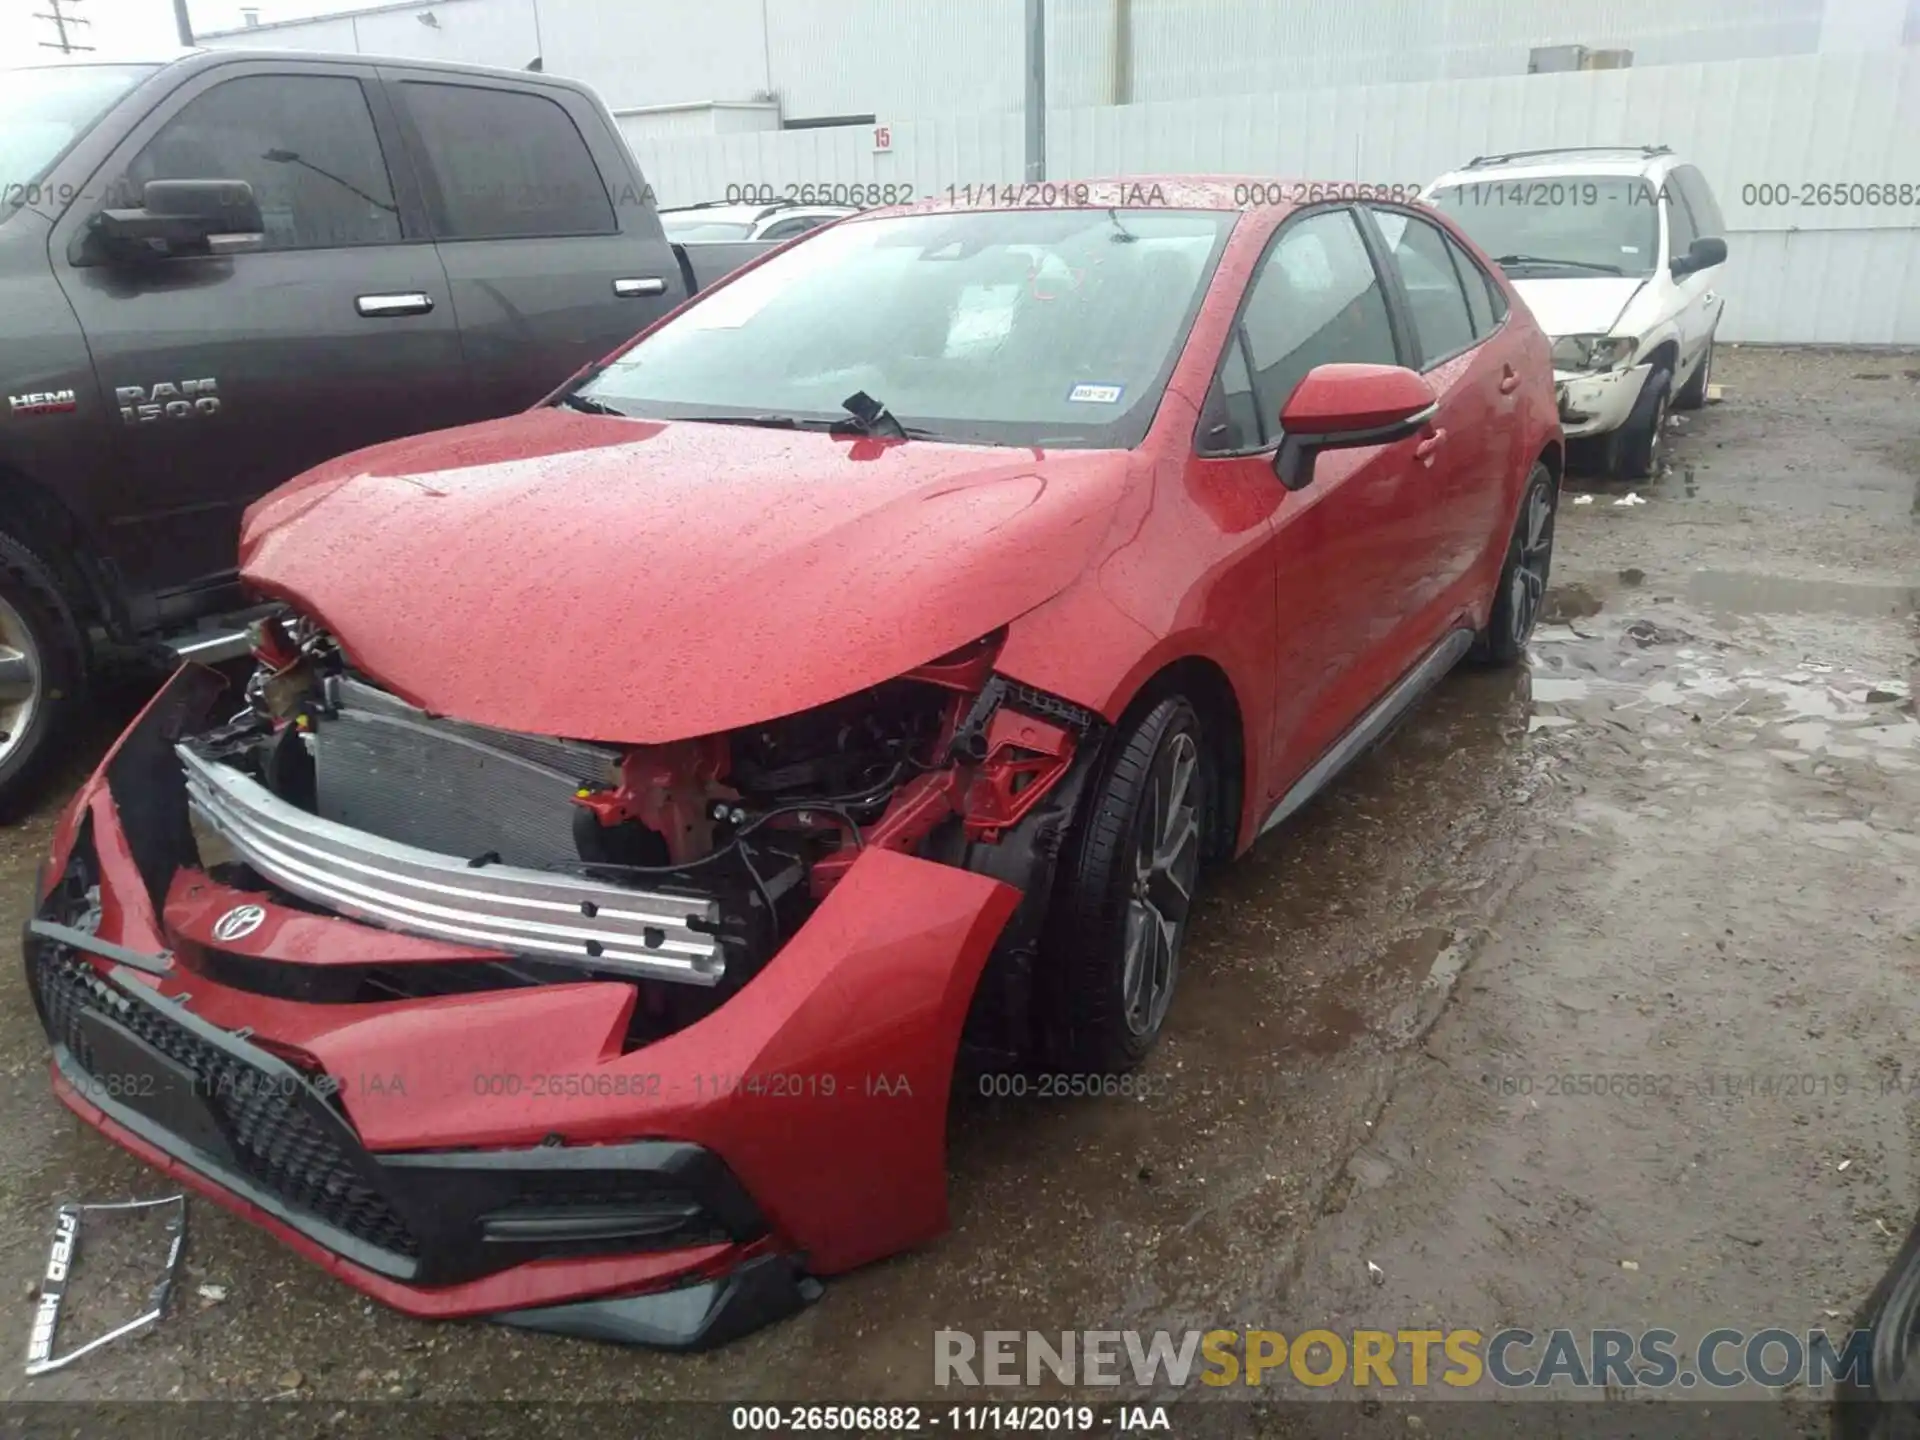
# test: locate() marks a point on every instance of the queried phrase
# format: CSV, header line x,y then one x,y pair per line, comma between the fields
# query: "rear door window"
x,y
505,165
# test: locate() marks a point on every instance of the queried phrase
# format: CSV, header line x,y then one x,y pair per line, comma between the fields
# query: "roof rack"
x,y
1648,150
766,207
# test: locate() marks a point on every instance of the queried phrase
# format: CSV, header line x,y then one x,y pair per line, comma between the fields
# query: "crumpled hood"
x,y
1579,305
634,581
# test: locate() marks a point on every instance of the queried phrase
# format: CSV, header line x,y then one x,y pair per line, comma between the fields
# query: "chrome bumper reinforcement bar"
x,y
645,934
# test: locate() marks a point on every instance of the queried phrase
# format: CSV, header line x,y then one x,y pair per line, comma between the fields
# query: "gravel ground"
x,y
1679,847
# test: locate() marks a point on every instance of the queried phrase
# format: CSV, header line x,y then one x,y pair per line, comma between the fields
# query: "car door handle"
x,y
1509,382
1423,452
407,302
634,289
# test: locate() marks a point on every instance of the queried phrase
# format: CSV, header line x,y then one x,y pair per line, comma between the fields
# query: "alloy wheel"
x,y
1533,563
1166,868
20,682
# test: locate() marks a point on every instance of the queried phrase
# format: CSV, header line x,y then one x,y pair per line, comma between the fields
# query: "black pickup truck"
x,y
220,269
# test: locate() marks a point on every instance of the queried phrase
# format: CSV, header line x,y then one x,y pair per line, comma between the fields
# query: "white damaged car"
x,y
1619,253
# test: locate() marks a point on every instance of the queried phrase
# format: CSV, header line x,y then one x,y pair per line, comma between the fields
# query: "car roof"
x,y
749,214
1651,161
206,59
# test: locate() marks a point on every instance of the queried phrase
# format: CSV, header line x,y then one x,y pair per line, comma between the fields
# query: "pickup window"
x,y
504,164
306,144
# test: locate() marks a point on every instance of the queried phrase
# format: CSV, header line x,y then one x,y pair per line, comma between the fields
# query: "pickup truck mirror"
x,y
183,217
1705,252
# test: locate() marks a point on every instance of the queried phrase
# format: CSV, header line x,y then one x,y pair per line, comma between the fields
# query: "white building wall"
x,y
1829,272
474,32
673,121
901,59
486,32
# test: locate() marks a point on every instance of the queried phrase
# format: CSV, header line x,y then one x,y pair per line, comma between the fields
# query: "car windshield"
x,y
1028,327
44,109
1566,225
693,227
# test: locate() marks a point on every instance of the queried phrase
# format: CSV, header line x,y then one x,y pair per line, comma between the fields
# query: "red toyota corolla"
x,y
643,803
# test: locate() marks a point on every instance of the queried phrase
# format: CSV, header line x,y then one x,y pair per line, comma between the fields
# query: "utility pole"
x,y
183,23
1036,89
61,19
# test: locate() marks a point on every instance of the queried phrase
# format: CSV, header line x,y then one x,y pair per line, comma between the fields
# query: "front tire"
x,y
1126,889
1636,446
42,671
1522,587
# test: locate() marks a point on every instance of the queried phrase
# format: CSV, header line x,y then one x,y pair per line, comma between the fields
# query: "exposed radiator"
x,y
384,767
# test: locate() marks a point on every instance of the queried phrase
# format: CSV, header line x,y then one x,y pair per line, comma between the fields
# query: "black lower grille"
x,y
280,1144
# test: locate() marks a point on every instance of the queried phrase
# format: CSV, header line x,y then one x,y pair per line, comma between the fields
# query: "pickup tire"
x,y
43,671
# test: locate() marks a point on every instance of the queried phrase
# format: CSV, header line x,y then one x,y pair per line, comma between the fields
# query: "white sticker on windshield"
x,y
1629,249
1096,394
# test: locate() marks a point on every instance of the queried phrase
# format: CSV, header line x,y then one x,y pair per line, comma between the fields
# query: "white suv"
x,y
1618,252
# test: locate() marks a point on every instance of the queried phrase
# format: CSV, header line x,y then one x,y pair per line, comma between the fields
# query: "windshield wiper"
x,y
591,406
870,417
1554,260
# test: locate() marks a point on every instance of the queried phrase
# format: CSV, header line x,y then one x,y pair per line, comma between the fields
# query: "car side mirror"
x,y
1705,252
183,217
1345,407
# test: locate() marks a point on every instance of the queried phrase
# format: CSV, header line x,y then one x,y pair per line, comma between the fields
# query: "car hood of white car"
x,y
1579,305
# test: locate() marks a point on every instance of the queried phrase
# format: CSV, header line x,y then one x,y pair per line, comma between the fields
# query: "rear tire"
x,y
1522,588
1693,394
1126,888
43,671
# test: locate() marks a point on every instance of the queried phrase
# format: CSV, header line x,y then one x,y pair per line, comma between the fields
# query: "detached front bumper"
x,y
1596,403
499,1152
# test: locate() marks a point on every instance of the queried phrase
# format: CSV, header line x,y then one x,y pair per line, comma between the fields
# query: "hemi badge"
x,y
43,402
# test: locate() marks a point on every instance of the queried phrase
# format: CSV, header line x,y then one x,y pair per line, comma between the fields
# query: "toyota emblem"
x,y
239,922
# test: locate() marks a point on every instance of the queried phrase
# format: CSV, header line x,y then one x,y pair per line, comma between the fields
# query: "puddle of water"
x,y
1631,678
1745,592
1569,602
1557,690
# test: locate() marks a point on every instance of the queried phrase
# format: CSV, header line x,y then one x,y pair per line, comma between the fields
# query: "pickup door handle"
x,y
634,289
1423,452
408,302
1509,382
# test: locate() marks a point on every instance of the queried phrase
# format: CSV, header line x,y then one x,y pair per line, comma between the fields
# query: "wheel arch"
x,y
1665,356
35,516
1554,456
1204,683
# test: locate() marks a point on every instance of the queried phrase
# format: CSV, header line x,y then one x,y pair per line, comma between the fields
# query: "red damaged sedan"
x,y
642,804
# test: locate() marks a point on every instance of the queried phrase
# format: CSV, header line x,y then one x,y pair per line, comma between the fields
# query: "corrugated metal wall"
x,y
902,59
1797,272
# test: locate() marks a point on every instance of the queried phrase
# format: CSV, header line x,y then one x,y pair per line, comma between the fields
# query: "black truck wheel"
x,y
42,671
